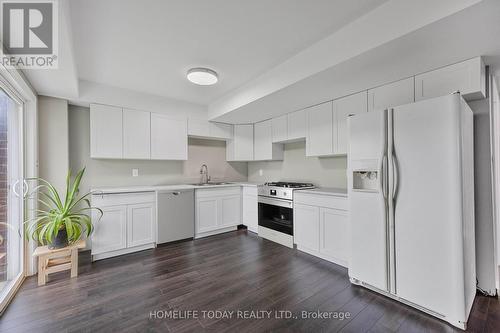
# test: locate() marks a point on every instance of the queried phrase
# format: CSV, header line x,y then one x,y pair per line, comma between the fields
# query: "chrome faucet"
x,y
204,174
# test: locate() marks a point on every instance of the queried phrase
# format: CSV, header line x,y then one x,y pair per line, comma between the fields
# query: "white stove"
x,y
276,211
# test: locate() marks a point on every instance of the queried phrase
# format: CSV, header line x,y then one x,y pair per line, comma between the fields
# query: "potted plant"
x,y
61,222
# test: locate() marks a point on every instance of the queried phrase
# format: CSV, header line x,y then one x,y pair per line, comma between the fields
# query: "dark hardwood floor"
x,y
228,272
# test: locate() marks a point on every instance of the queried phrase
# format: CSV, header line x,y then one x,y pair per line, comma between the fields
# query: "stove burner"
x,y
289,184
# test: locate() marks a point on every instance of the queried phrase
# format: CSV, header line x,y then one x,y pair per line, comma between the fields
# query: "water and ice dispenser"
x,y
365,180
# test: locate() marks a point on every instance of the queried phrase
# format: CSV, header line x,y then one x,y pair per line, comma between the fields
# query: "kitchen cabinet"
x,y
342,109
240,147
297,122
280,129
206,214
169,139
306,225
468,77
136,134
334,234
249,208
392,94
220,131
127,225
321,226
140,224
319,141
264,148
202,128
198,127
110,233
217,210
106,131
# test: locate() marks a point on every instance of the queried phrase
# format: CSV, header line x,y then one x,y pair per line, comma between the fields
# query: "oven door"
x,y
276,214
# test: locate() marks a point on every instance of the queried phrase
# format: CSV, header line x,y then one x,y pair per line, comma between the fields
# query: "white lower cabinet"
x,y
217,210
249,208
110,233
128,224
140,224
306,227
334,234
321,227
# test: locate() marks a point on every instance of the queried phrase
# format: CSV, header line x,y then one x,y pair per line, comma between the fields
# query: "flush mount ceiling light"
x,y
202,76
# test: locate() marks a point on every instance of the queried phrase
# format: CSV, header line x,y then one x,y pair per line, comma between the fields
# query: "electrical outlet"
x,y
135,172
261,172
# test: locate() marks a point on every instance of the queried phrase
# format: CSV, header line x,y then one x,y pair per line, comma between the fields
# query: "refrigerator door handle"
x,y
395,176
383,177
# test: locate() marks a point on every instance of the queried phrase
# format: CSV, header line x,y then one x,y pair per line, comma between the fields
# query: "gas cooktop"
x,y
289,185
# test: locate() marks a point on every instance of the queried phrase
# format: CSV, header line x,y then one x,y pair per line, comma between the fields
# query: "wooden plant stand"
x,y
57,260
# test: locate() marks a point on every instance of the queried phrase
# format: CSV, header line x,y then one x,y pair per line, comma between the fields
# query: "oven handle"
x,y
276,202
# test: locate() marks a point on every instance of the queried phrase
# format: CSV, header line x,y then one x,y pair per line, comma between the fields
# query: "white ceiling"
x,y
148,46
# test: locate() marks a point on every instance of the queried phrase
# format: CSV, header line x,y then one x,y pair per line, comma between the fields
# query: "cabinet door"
x,y
168,138
240,148
140,224
392,94
230,211
334,235
297,122
306,227
250,212
206,214
136,134
110,233
198,127
106,132
280,128
319,130
468,77
342,108
221,131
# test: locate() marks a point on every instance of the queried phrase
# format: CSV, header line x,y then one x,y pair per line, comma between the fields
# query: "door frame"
x,y
18,87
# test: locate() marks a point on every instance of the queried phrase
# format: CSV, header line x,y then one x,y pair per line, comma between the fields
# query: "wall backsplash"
x,y
325,171
119,172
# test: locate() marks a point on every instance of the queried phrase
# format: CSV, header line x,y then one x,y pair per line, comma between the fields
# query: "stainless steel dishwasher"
x,y
175,215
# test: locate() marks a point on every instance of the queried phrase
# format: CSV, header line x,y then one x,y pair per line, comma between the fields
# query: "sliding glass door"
x,y
12,188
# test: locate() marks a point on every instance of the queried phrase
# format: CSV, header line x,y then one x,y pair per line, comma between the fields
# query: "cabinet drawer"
x,y
218,192
113,199
319,200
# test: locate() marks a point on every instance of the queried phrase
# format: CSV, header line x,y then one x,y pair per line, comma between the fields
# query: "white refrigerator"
x,y
411,196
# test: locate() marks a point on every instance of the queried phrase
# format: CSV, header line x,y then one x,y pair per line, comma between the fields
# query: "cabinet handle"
x,y
176,193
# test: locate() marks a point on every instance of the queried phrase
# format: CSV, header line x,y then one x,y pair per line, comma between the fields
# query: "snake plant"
x,y
55,215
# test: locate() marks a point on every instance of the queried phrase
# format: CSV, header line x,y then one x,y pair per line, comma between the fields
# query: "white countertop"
x,y
338,192
152,188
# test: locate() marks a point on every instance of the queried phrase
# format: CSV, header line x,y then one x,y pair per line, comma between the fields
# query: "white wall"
x,y
324,172
119,172
53,140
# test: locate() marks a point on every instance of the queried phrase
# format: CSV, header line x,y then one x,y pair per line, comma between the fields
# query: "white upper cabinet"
x,y
106,131
319,141
280,128
136,134
297,125
169,139
240,147
198,127
203,128
468,77
220,130
392,94
264,148
342,109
